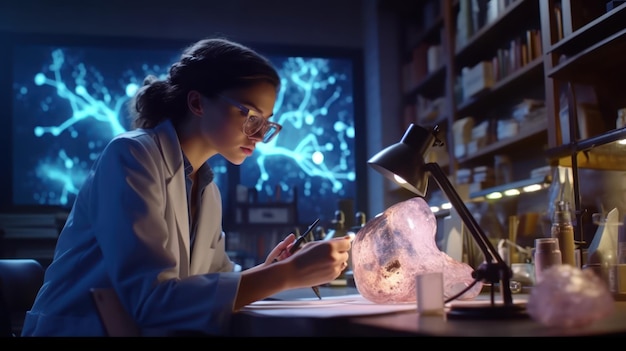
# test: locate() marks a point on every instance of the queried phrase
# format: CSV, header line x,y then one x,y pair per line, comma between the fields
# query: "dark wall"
x,y
318,23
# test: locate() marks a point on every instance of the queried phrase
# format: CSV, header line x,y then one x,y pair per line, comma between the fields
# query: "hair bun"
x,y
150,79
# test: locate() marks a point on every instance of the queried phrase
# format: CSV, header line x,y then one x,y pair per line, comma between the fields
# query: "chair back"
x,y
20,280
116,320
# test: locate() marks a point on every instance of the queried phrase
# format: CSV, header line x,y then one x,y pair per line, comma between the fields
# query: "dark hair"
x,y
209,66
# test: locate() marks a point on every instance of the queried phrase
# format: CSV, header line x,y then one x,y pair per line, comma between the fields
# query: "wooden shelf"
x,y
592,32
528,82
502,145
603,57
597,160
513,185
441,120
430,34
601,144
430,87
513,83
487,38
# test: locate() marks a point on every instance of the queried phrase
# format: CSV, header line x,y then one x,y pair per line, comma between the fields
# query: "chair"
x,y
116,320
119,323
20,280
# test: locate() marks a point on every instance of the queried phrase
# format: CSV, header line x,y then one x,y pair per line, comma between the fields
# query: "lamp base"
x,y
515,311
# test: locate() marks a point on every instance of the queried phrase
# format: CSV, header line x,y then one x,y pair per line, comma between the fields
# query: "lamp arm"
x,y
483,242
493,271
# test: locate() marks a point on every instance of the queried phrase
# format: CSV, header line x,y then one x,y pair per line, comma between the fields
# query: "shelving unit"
x,y
588,56
509,20
516,80
532,135
433,82
525,76
594,55
579,50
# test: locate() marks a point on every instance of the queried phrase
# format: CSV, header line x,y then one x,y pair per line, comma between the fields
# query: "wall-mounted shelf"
x,y
588,65
540,182
507,86
592,32
430,87
509,37
526,136
601,152
486,38
429,34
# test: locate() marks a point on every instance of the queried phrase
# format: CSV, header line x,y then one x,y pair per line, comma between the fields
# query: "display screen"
x,y
69,101
313,157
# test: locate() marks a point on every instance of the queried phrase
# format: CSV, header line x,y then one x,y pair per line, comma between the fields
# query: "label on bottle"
x,y
565,234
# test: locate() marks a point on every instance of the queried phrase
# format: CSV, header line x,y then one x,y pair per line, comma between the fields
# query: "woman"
x,y
147,221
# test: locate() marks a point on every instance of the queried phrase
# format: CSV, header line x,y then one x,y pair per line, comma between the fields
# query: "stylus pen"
x,y
296,245
301,239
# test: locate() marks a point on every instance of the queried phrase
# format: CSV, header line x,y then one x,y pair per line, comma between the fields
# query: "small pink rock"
x,y
567,296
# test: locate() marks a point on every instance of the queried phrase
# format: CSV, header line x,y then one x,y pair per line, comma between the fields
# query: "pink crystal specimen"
x,y
393,248
567,296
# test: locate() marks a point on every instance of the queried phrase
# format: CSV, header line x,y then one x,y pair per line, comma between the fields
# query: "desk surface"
x,y
409,323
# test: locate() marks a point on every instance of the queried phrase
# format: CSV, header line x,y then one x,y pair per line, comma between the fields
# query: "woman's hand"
x,y
281,251
319,262
315,263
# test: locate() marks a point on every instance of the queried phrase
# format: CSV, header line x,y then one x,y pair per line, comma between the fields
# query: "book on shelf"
x,y
558,20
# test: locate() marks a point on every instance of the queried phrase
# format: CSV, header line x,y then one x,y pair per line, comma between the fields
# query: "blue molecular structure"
x,y
70,101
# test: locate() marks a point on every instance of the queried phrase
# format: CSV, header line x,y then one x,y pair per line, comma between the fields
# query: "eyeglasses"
x,y
255,124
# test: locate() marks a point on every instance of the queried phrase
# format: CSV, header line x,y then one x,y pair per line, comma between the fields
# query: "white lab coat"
x,y
129,229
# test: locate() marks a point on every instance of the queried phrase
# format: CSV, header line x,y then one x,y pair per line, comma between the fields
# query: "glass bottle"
x,y
563,230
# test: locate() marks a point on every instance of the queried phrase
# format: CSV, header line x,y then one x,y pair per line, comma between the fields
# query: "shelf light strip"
x,y
494,195
516,191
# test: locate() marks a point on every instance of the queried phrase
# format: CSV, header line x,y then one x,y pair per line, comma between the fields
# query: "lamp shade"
x,y
403,162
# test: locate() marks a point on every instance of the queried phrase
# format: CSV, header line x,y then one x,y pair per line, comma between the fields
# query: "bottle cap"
x,y
562,214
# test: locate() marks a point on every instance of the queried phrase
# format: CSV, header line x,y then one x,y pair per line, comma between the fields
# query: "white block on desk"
x,y
430,293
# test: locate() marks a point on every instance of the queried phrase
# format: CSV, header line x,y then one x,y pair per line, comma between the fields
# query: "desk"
x,y
409,323
412,324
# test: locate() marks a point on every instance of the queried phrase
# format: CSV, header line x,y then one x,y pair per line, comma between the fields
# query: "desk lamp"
x,y
407,163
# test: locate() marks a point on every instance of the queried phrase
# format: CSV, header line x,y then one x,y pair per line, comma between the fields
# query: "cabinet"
x,y
584,79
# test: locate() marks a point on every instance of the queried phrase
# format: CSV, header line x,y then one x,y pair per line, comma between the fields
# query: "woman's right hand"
x,y
315,263
319,262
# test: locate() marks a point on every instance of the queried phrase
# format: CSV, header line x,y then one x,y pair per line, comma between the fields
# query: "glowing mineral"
x,y
393,248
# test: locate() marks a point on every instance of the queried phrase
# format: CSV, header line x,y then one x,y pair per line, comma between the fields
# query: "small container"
x,y
547,254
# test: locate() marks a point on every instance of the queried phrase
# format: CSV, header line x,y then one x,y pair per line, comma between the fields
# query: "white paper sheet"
x,y
333,306
351,305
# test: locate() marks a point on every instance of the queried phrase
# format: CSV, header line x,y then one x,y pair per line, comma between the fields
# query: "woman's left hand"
x,y
281,251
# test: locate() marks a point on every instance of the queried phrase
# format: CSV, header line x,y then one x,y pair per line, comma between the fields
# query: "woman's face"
x,y
225,128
